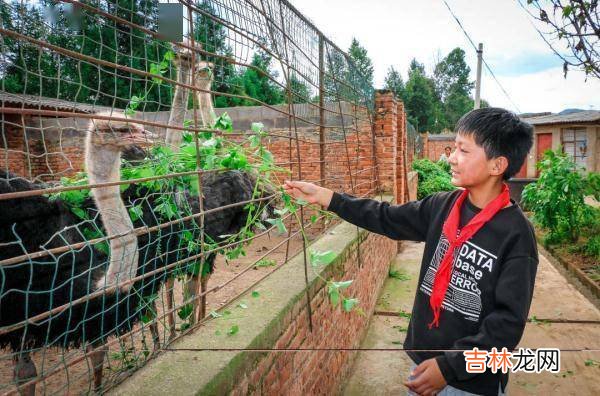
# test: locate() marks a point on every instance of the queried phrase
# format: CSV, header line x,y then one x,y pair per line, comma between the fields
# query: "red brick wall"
x,y
12,147
37,152
322,372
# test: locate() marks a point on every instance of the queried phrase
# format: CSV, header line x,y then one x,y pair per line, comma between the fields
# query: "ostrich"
x,y
31,288
30,224
202,78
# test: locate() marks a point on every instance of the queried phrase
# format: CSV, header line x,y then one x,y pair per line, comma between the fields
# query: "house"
x,y
577,132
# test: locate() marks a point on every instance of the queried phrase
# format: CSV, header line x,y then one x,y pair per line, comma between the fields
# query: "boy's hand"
x,y
429,379
309,192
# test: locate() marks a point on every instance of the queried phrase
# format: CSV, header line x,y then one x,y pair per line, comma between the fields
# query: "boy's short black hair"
x,y
500,133
447,147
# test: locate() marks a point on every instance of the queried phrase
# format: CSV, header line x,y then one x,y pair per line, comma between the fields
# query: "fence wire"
x,y
139,171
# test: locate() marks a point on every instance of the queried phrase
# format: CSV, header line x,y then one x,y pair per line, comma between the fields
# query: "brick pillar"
x,y
386,128
400,157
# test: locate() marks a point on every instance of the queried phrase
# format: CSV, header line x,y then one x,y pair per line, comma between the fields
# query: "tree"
x,y
452,74
393,82
575,23
260,84
336,70
300,90
452,86
420,98
361,59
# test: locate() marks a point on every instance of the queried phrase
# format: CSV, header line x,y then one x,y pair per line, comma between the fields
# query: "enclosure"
x,y
141,201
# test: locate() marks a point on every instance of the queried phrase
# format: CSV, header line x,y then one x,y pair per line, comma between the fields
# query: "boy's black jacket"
x,y
490,291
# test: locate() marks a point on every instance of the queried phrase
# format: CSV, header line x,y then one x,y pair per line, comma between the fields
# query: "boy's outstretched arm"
x,y
401,222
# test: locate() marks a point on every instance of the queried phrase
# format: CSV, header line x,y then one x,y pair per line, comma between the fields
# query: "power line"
x,y
489,69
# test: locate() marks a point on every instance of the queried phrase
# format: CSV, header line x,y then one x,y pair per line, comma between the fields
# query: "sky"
x,y
395,31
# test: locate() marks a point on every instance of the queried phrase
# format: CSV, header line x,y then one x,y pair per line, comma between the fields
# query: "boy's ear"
x,y
498,166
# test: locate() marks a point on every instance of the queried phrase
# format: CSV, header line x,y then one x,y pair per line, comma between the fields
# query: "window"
x,y
574,142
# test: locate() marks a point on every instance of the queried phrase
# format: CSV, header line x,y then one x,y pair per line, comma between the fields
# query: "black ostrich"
x,y
35,286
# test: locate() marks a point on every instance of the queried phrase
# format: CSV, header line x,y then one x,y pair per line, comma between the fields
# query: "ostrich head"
x,y
183,59
203,71
117,135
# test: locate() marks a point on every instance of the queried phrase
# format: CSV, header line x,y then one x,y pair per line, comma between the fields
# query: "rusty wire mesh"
x,y
79,78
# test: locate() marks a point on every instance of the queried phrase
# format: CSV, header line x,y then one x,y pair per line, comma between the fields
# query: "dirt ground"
x,y
123,358
555,298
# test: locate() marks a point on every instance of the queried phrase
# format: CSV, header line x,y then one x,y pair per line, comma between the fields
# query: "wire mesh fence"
x,y
140,171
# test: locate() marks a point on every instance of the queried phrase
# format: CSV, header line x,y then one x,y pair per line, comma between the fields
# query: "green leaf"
x,y
224,123
334,296
185,311
135,212
154,69
287,199
279,224
255,294
349,303
281,212
233,330
265,263
567,9
169,55
254,141
313,219
215,314
301,202
342,285
257,127
80,213
321,258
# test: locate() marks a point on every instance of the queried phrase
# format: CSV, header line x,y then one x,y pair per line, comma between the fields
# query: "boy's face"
x,y
469,164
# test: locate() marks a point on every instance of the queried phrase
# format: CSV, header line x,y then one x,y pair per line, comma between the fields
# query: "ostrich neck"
x,y
207,111
178,108
103,165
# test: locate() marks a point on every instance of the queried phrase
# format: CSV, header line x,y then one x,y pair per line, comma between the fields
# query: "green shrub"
x,y
592,247
592,185
433,177
556,198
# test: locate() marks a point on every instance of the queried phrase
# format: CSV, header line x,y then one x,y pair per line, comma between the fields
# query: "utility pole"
x,y
478,82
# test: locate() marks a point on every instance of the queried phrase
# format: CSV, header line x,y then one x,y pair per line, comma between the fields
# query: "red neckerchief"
x,y
456,239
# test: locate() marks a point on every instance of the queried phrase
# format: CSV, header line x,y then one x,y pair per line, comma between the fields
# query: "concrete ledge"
x,y
186,372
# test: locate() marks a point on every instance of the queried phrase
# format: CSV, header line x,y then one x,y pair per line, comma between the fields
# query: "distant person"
x,y
446,154
480,259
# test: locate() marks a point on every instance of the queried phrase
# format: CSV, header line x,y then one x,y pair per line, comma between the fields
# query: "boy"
x,y
480,260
